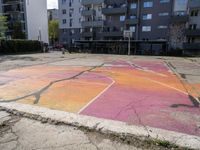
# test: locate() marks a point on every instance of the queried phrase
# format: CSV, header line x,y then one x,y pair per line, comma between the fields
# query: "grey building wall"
x,y
159,24
192,31
53,14
69,21
0,6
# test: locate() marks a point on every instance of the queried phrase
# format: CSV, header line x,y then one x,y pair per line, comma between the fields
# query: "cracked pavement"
x,y
152,97
18,133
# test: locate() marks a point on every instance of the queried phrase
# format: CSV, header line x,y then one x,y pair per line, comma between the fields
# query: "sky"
x,y
52,4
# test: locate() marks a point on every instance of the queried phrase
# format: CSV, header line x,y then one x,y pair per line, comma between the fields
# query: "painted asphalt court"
x,y
139,92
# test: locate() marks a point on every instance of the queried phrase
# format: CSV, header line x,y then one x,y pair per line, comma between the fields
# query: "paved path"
x,y
24,134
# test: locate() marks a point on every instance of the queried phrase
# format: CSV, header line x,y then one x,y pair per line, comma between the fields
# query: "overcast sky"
x,y
52,4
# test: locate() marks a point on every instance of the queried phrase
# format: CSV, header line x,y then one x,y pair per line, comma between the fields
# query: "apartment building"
x,y
192,31
148,20
52,14
30,15
69,20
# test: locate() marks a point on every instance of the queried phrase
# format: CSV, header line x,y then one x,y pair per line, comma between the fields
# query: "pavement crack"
x,y
130,106
7,128
37,94
93,143
62,146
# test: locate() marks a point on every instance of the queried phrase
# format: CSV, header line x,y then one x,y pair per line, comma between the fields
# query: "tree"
x,y
53,31
18,31
3,26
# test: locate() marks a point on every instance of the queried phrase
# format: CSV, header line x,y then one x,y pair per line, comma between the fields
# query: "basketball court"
x,y
139,92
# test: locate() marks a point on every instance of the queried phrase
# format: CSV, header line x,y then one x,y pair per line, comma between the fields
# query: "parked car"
x,y
58,46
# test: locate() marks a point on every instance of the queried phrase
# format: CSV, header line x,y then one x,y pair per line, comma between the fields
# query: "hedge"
x,y
19,46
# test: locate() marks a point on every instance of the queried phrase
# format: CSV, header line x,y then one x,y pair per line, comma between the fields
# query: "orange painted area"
x,y
69,96
73,94
141,80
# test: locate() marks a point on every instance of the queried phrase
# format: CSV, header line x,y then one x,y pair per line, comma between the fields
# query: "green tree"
x,y
53,31
18,31
3,26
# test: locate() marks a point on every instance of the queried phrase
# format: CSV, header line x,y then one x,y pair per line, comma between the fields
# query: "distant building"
x,y
31,15
192,31
53,14
69,20
149,20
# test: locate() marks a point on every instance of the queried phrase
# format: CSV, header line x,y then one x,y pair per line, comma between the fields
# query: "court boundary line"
x,y
96,97
138,67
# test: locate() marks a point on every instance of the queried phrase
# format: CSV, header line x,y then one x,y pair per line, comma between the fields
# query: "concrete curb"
x,y
104,126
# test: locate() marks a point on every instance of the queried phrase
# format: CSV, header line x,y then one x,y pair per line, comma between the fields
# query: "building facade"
x,y
192,31
27,16
53,14
69,21
148,20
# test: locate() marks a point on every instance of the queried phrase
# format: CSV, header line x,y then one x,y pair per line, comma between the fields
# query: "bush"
x,y
19,46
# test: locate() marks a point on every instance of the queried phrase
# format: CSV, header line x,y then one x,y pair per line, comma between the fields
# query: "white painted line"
x,y
171,87
89,83
147,70
109,86
164,84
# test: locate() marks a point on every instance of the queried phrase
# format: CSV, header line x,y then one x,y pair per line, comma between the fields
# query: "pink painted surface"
x,y
162,107
138,92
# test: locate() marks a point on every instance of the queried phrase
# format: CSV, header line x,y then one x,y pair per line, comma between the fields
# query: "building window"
x,y
192,26
71,11
148,4
122,18
100,8
64,11
146,28
163,14
132,28
72,31
133,17
63,1
147,17
180,5
70,22
164,1
133,6
162,27
194,13
64,21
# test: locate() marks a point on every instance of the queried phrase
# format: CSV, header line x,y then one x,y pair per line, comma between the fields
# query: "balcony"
x,y
194,4
189,32
88,12
179,19
89,2
11,2
131,21
92,23
191,46
114,11
86,34
112,34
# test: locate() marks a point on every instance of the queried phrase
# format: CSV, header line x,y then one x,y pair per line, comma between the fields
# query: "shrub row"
x,y
19,46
